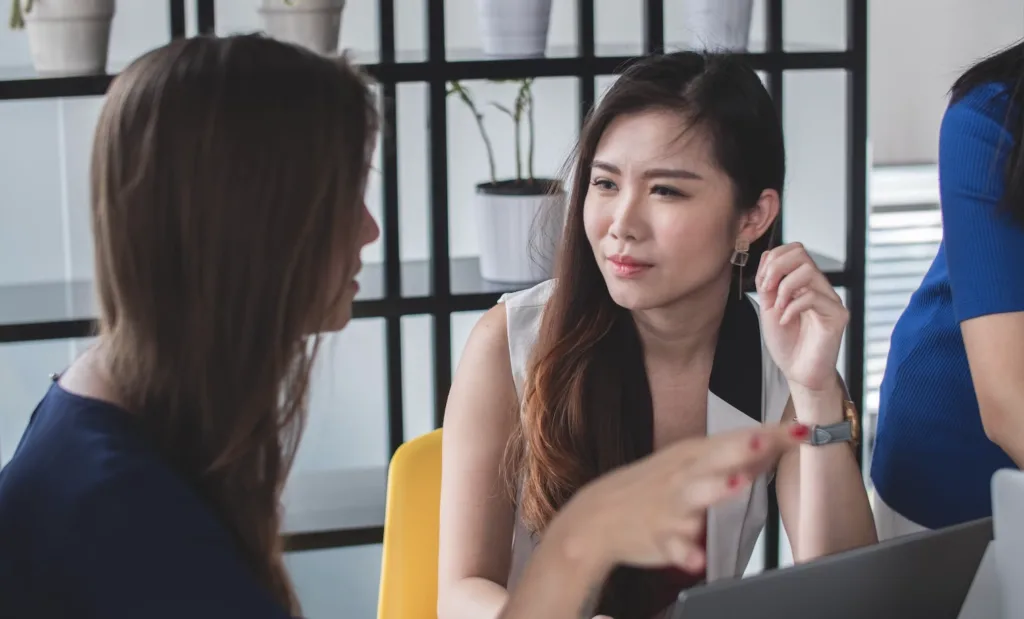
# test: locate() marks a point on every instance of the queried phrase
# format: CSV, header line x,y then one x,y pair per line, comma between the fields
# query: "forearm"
x,y
1004,426
834,513
562,581
472,598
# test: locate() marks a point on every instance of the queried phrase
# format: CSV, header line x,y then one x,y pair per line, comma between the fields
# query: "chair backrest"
x,y
408,575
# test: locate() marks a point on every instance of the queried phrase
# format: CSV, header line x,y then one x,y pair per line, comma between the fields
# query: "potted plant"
x,y
313,24
66,37
519,220
514,28
719,24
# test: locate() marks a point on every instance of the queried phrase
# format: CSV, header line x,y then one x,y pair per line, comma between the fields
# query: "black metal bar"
x,y
205,21
363,308
96,85
587,62
772,532
340,538
775,76
392,244
654,26
177,9
856,204
42,331
438,175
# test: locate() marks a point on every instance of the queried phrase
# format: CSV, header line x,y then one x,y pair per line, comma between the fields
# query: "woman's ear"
x,y
755,222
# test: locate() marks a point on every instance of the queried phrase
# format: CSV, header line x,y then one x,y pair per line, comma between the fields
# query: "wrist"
x,y
818,406
569,543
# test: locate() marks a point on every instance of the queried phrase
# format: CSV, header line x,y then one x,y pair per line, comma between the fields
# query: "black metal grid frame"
x,y
437,71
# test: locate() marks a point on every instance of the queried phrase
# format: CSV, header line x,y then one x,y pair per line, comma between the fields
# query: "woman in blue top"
x,y
952,400
228,216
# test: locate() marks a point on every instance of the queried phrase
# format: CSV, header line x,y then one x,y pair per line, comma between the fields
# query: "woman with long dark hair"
x,y
228,217
644,339
952,399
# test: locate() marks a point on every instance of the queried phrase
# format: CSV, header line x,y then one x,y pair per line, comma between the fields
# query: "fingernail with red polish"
x,y
799,431
755,443
733,482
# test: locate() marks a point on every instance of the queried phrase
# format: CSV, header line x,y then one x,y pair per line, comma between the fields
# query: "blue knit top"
x,y
932,462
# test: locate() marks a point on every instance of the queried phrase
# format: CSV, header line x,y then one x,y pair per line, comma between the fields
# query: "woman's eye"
x,y
603,184
662,190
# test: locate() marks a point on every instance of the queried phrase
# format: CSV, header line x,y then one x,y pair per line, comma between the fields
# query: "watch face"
x,y
850,412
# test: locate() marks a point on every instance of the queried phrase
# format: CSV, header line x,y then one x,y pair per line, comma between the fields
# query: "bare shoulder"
x,y
483,387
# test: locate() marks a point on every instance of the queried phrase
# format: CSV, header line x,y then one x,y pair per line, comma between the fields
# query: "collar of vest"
x,y
736,373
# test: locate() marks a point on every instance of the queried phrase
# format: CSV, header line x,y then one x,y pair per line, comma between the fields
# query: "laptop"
x,y
1008,523
924,574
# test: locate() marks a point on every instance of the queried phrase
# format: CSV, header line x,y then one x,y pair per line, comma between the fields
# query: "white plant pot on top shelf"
x,y
518,233
718,24
514,28
68,37
313,24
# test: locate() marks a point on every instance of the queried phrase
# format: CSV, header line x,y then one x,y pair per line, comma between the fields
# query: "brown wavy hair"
x,y
227,196
587,406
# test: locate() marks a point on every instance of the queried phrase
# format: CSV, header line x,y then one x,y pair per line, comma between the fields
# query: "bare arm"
x,y
822,499
995,354
984,252
477,515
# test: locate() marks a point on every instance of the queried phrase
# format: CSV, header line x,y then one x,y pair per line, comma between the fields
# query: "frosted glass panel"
x,y
418,375
618,28
413,171
138,26
464,39
348,404
814,120
687,24
410,30
359,29
31,236
339,582
556,118
814,25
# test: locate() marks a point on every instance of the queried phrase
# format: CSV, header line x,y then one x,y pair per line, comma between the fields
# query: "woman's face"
x,y
368,233
659,214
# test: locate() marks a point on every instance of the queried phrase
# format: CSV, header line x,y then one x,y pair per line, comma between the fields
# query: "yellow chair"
x,y
408,574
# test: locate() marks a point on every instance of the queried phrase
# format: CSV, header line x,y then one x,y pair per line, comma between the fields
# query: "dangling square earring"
x,y
740,255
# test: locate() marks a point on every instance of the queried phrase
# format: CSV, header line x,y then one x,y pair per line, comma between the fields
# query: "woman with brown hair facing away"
x,y
228,216
643,340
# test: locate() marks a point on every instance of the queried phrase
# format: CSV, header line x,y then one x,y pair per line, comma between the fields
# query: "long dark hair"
x,y
587,403
227,183
1007,68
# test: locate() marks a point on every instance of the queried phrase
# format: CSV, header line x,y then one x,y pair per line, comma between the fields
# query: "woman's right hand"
x,y
652,513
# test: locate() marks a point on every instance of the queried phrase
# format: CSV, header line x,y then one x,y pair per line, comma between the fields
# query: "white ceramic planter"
x,y
718,24
518,235
68,37
313,24
514,28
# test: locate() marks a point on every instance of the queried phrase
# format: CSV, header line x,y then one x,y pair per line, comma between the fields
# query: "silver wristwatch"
x,y
846,431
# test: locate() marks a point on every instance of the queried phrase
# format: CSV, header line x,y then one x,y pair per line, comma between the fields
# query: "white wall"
x,y
917,50
44,232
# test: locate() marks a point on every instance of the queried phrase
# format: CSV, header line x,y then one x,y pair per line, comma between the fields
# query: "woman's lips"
x,y
627,267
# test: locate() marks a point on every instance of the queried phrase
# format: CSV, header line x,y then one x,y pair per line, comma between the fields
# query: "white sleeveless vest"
x,y
744,391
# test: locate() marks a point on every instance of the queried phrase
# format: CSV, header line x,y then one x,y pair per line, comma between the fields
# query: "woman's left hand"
x,y
802,317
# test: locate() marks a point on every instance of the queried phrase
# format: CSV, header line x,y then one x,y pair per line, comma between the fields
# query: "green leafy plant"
x,y
17,21
520,111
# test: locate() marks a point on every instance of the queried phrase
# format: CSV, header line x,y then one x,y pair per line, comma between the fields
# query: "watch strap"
x,y
841,432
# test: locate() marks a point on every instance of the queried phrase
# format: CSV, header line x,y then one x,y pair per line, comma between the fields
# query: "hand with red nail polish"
x,y
652,513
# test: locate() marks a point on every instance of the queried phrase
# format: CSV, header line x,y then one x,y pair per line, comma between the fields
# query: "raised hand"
x,y
802,317
652,513
648,514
